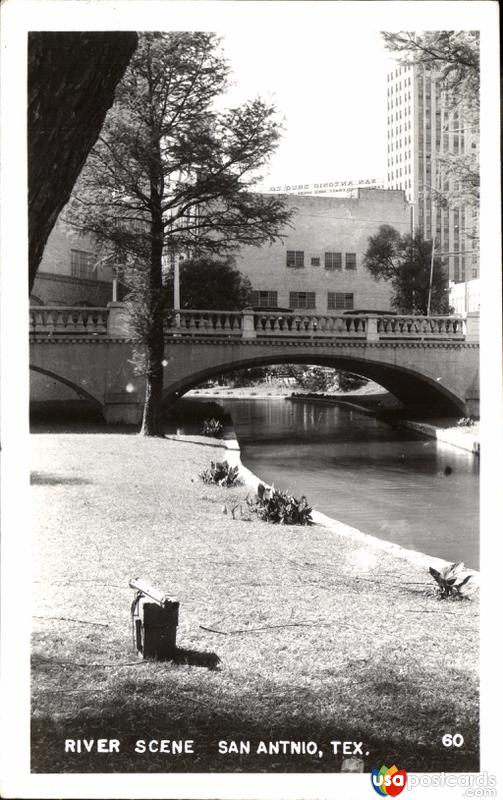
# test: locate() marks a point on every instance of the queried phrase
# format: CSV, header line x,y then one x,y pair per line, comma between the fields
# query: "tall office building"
x,y
422,128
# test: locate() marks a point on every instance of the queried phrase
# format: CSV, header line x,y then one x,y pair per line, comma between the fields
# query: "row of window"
x,y
398,90
332,261
406,125
401,100
398,158
398,72
393,177
338,301
398,142
398,147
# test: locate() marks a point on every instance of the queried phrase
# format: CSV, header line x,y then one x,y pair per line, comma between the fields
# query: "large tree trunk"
x,y
152,424
71,83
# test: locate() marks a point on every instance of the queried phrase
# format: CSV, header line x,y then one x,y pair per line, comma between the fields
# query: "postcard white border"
x,y
20,16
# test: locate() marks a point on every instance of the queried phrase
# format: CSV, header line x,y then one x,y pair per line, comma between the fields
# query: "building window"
x,y
302,300
350,260
82,264
264,299
340,301
315,261
295,258
333,261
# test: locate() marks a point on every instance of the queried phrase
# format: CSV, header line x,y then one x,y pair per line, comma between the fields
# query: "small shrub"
x,y
451,580
213,427
272,505
465,422
221,474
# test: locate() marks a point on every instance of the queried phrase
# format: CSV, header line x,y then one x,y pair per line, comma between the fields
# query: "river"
x,y
391,483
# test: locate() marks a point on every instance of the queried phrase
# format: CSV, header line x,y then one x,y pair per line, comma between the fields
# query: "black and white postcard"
x,y
251,399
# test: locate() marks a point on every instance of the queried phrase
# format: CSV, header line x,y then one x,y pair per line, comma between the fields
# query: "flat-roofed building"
x,y
319,266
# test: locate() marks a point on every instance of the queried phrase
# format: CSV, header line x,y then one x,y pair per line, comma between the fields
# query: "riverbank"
x,y
464,437
340,528
320,635
281,390
371,399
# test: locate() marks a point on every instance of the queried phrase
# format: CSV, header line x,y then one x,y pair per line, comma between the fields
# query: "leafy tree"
x,y
406,263
206,283
326,379
171,174
455,56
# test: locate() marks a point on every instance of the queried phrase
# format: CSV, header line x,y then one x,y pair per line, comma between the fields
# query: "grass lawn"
x,y
320,638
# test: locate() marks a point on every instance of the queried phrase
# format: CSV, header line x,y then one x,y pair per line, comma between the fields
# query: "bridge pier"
x,y
122,407
472,402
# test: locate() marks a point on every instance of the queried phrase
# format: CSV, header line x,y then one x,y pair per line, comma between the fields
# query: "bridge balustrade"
x,y
309,325
204,323
114,322
50,320
406,327
415,327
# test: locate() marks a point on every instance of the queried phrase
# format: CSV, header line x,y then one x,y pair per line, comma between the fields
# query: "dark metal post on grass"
x,y
154,618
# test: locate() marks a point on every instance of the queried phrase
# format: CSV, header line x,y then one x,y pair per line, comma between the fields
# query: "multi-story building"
x,y
422,128
319,266
71,272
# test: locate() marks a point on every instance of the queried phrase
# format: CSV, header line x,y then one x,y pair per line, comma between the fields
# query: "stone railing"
x,y
68,320
204,323
113,321
252,324
406,327
309,325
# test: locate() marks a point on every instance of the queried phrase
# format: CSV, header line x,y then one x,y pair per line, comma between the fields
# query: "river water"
x,y
391,483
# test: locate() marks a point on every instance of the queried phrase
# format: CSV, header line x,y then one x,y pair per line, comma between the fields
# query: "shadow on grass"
x,y
196,658
395,719
49,479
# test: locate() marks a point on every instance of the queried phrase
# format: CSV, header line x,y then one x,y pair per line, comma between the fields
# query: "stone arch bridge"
x,y
431,364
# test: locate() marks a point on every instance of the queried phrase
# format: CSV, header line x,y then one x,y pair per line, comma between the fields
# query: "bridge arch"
x,y
71,385
413,388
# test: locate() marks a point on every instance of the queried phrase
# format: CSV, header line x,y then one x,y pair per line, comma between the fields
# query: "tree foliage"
x,y
170,174
406,263
454,54
207,283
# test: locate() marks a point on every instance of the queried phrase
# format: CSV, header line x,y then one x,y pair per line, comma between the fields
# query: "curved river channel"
x,y
390,483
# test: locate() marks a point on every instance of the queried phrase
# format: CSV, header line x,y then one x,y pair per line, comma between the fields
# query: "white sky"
x,y
330,88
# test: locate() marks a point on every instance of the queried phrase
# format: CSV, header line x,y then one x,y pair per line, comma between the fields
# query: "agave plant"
x,y
451,580
281,508
213,427
222,474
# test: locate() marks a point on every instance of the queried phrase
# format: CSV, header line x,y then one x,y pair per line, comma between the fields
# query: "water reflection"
x,y
390,483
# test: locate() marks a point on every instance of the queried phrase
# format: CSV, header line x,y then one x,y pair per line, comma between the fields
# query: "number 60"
x,y
448,740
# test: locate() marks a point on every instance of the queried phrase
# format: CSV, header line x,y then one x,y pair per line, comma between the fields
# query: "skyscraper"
x,y
423,127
